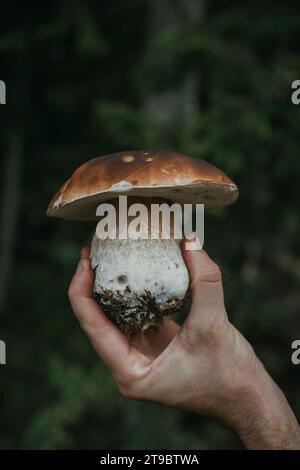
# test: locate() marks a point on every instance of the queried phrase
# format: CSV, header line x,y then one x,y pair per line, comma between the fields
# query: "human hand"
x,y
205,366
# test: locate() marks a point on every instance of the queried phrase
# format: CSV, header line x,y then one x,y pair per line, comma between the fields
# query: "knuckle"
x,y
126,386
130,386
72,290
211,275
126,392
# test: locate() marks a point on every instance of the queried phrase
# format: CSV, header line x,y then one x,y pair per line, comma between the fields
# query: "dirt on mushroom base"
x,y
141,312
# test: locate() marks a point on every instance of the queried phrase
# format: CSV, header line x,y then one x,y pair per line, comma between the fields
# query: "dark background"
x,y
84,78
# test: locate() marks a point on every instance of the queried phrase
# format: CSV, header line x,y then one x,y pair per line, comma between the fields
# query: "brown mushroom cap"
x,y
164,174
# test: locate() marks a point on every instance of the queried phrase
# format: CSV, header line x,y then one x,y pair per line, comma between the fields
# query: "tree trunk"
x,y
180,102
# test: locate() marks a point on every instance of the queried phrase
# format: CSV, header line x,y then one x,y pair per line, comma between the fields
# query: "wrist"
x,y
261,414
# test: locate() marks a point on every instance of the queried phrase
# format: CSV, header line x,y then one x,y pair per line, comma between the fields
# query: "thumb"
x,y
207,310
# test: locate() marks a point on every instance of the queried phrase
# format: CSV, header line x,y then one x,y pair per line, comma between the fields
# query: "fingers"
x,y
109,342
153,341
208,310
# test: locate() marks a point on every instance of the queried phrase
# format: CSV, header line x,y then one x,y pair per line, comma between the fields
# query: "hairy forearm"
x,y
263,418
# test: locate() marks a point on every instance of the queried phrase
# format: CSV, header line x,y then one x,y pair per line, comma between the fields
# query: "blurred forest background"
x,y
85,78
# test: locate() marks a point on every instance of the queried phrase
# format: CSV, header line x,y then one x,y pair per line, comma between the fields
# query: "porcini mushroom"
x,y
138,282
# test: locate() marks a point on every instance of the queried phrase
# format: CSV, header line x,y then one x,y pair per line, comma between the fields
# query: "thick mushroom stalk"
x,y
138,282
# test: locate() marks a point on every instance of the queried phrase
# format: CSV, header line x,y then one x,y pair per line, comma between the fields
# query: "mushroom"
x,y
138,282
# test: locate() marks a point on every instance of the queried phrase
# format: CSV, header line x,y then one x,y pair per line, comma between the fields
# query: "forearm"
x,y
263,418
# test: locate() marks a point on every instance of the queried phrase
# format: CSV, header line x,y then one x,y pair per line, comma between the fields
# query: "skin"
x,y
205,366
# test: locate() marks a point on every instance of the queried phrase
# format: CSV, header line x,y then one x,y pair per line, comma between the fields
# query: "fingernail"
x,y
79,268
85,252
192,243
190,237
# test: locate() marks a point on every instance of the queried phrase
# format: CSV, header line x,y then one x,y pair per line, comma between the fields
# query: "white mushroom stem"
x,y
134,273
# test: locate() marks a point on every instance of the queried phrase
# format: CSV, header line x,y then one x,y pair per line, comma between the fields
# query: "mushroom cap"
x,y
164,174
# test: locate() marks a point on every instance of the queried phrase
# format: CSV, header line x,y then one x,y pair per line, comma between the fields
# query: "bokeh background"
x,y
206,78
